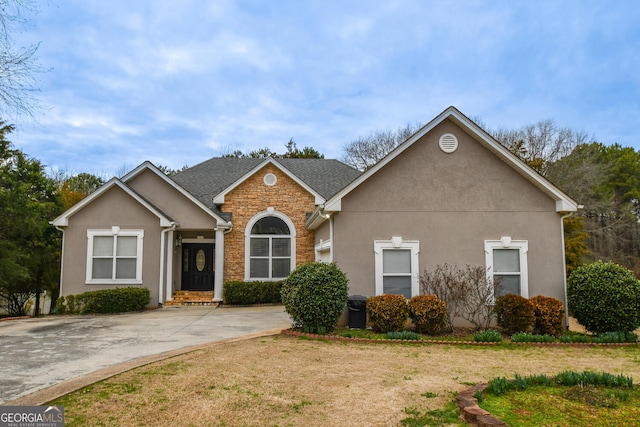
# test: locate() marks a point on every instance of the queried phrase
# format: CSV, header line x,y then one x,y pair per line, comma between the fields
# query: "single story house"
x,y
449,194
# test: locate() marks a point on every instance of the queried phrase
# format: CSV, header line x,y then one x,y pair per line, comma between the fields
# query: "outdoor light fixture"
x,y
179,240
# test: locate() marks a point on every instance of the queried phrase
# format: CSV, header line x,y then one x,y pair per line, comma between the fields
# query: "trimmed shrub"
x,y
604,297
387,312
117,300
428,313
315,295
514,313
549,316
245,293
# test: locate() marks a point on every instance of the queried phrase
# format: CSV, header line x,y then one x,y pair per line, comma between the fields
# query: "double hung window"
x,y
114,256
396,263
506,262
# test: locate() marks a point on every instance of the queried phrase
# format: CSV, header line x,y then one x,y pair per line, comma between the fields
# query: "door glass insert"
x,y
201,260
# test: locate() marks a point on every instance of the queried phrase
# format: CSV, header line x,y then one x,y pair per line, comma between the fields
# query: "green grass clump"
x,y
528,337
402,335
489,335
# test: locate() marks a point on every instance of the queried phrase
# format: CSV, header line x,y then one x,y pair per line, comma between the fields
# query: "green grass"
x,y
566,406
439,417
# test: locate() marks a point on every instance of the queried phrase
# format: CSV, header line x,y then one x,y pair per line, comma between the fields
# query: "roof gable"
x,y
148,166
563,202
63,220
219,198
212,179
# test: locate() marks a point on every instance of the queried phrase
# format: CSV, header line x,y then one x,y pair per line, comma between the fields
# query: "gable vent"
x,y
448,143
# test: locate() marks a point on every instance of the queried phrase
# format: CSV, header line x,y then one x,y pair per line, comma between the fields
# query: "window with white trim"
x,y
270,247
396,264
506,262
114,256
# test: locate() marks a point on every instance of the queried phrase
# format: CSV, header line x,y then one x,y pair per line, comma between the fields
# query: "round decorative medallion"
x,y
201,260
270,179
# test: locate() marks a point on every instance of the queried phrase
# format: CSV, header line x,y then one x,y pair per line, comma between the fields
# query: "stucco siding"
x,y
451,204
169,200
113,208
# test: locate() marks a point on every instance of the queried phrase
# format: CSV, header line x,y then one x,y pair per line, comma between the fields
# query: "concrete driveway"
x,y
38,353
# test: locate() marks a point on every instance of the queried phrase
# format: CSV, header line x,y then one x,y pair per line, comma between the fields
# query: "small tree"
x,y
315,295
604,297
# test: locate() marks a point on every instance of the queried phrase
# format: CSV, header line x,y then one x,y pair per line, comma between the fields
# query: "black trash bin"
x,y
357,305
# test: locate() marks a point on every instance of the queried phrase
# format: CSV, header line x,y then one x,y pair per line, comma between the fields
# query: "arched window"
x,y
270,246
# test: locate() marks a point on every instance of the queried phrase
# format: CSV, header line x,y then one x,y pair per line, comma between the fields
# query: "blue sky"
x,y
179,82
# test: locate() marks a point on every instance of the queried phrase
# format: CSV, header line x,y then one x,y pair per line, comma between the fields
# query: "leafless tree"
x,y
364,152
540,144
19,66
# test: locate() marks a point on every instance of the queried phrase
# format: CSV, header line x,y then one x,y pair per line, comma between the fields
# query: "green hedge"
x,y
117,300
245,293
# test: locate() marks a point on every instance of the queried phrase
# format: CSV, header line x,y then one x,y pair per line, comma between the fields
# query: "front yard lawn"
x,y
288,381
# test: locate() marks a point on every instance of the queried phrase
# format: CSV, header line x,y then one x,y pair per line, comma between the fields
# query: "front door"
x,y
197,267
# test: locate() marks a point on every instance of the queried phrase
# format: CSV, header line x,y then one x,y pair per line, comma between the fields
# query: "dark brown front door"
x,y
197,267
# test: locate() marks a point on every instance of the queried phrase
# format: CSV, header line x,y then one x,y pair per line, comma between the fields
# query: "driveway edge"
x,y
45,395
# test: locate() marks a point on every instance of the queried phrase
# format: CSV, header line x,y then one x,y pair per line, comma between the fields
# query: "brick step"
x,y
187,298
174,303
178,294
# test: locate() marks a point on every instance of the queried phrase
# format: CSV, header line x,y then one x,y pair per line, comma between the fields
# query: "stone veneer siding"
x,y
254,196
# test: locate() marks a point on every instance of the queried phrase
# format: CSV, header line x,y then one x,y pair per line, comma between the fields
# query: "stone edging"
x,y
294,333
474,414
14,318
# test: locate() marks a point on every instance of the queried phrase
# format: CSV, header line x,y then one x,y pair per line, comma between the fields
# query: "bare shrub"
x,y
468,293
477,307
446,283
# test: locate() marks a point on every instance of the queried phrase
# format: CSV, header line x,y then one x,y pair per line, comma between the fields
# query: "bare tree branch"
x,y
19,65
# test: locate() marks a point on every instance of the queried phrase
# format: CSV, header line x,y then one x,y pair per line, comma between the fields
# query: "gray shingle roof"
x,y
209,178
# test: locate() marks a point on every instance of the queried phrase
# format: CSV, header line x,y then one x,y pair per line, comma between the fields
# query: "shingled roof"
x,y
209,178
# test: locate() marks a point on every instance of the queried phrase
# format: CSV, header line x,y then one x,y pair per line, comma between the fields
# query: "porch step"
x,y
187,298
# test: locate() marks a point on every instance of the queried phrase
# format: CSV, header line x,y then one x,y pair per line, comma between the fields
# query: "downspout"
x,y
564,272
163,237
61,261
331,242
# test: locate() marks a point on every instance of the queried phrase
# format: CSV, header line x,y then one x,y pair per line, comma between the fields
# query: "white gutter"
x,y
331,241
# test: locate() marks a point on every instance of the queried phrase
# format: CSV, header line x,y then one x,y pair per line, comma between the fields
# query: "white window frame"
x,y
247,244
505,242
380,246
114,232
